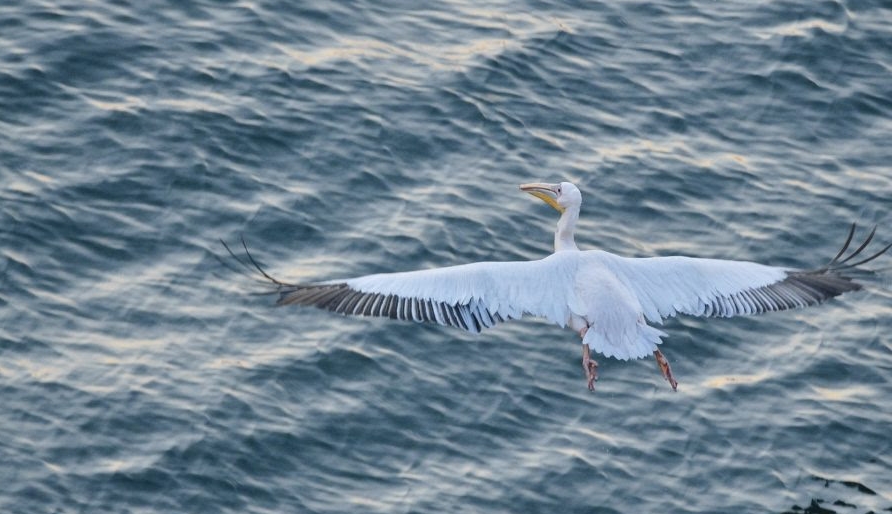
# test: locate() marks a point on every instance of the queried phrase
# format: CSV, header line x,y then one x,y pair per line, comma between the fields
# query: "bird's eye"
x,y
559,189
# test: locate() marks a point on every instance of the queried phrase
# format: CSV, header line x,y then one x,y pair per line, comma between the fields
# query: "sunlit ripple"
x,y
733,380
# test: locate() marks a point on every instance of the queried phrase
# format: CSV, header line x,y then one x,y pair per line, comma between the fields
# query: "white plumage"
x,y
606,298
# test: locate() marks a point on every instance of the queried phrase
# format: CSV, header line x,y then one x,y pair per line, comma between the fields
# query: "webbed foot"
x,y
665,369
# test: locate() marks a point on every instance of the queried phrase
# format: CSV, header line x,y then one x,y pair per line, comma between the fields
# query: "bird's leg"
x,y
665,369
588,364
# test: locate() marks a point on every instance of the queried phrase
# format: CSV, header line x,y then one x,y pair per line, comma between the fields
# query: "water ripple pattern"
x,y
137,373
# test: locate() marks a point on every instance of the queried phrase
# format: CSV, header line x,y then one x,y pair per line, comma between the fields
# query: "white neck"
x,y
566,226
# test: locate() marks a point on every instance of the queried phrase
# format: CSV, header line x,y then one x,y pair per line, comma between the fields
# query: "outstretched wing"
x,y
469,296
711,287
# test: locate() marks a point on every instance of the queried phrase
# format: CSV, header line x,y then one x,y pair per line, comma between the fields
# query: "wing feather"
x,y
470,296
666,286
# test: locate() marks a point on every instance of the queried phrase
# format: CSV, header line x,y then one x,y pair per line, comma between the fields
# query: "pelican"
x,y
608,300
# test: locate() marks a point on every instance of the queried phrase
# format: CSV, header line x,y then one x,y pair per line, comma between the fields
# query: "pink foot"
x,y
665,369
590,366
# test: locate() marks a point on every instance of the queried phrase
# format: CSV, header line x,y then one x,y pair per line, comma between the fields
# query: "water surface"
x,y
138,375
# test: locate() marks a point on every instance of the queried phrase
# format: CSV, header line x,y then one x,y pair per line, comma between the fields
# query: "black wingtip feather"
x,y
836,265
860,248
845,246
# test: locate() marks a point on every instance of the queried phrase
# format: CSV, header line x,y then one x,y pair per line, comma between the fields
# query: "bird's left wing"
x,y
665,286
469,296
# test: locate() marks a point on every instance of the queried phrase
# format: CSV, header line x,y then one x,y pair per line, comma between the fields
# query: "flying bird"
x,y
608,300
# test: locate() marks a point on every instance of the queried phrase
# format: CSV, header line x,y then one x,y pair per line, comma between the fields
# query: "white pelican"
x,y
607,299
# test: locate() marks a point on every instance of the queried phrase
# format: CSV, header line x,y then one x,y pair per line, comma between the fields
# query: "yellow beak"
x,y
545,192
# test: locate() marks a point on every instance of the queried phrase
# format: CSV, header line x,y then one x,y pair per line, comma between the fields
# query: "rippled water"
x,y
138,375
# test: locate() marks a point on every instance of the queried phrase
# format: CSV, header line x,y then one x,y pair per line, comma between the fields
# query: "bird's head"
x,y
560,196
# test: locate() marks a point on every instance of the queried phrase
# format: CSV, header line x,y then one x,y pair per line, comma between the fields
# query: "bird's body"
x,y
607,299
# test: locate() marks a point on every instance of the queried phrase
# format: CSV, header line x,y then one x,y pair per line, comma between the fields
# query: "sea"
x,y
144,369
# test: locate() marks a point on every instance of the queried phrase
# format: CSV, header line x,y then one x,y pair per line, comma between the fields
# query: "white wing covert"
x,y
470,296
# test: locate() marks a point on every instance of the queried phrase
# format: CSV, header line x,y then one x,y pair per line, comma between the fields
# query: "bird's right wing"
x,y
665,286
470,296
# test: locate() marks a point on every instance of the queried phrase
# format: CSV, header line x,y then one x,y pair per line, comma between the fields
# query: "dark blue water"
x,y
137,373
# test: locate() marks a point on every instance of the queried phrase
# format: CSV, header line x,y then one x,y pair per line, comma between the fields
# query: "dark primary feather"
x,y
340,298
799,289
